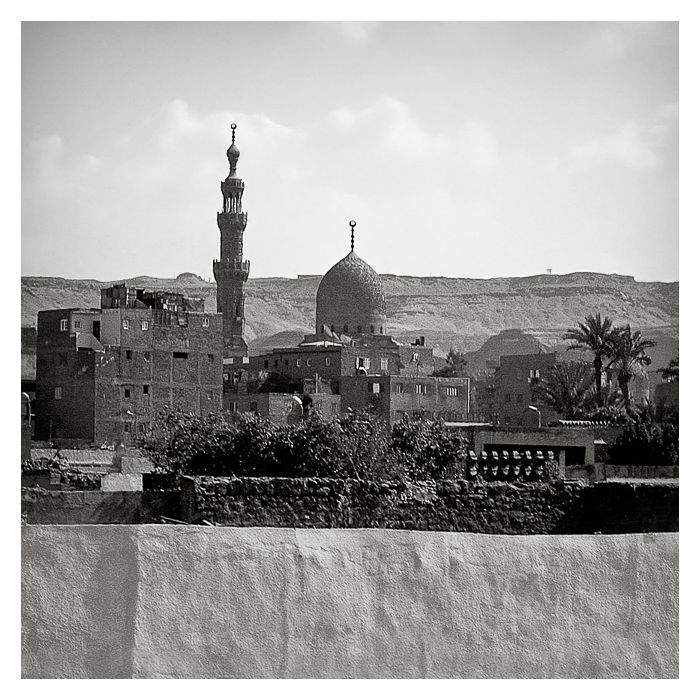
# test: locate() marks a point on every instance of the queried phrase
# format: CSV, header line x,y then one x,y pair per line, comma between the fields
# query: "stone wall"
x,y
497,508
42,507
157,601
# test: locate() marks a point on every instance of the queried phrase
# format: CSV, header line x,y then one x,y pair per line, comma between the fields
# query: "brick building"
x,y
102,374
513,383
352,356
396,397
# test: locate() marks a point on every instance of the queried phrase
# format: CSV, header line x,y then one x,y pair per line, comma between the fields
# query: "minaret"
x,y
231,271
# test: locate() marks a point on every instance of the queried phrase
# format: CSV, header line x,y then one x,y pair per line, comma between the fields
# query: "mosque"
x,y
350,362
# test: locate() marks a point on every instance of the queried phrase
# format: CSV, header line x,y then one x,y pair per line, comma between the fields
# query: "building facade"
x,y
514,380
352,357
103,374
231,270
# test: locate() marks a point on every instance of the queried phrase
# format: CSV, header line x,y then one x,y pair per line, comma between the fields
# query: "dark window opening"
x,y
129,354
145,388
211,357
127,393
180,355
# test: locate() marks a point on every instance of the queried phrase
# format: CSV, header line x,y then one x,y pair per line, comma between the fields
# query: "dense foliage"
x,y
348,447
646,442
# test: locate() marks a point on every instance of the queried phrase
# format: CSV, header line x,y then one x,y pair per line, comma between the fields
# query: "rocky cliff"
x,y
450,312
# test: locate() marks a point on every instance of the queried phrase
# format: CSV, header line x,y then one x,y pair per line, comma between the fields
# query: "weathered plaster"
x,y
171,601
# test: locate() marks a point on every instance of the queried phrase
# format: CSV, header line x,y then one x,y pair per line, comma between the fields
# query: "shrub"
x,y
360,447
646,442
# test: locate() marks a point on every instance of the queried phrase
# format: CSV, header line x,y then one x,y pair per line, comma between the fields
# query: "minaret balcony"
x,y
233,265
239,219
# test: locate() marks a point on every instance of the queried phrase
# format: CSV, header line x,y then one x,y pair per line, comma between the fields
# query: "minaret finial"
x,y
233,133
352,234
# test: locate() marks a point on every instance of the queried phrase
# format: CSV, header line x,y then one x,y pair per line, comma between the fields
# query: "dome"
x,y
350,298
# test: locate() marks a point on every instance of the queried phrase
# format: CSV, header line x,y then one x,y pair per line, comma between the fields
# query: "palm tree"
x,y
566,389
594,334
630,357
670,373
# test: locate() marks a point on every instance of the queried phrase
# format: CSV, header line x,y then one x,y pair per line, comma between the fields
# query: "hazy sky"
x,y
461,149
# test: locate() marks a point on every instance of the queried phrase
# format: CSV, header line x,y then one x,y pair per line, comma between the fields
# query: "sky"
x,y
462,149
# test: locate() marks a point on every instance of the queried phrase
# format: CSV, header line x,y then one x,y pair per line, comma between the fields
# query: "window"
x,y
76,324
371,329
383,363
147,356
359,329
421,389
129,354
205,322
345,328
210,357
234,406
414,357
144,325
328,361
254,406
398,388
450,391
127,427
506,398
210,395
308,362
127,393
126,324
381,330
180,355
375,387
64,324
298,361
266,364
362,363
145,388
226,376
58,391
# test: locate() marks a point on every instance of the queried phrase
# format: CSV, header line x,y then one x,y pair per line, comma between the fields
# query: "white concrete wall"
x,y
171,601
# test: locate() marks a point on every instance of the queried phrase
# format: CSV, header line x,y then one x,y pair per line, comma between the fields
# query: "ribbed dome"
x,y
350,298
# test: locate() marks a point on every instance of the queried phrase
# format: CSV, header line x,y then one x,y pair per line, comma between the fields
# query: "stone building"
x,y
102,374
514,380
231,271
352,355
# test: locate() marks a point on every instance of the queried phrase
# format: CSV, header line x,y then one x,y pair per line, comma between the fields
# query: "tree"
x,y
629,358
566,389
594,334
670,373
456,365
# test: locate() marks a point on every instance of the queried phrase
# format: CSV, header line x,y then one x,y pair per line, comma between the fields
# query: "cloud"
x,y
154,195
634,146
627,147
358,31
